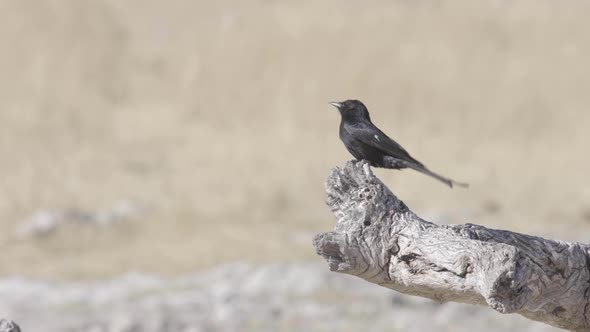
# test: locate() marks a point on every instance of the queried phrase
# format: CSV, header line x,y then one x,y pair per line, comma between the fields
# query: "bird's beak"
x,y
337,105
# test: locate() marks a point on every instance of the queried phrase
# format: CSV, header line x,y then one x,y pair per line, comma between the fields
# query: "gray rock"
x,y
8,326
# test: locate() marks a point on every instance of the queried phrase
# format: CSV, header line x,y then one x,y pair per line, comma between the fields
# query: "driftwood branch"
x,y
380,240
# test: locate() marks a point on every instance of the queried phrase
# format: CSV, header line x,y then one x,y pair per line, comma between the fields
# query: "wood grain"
x,y
378,238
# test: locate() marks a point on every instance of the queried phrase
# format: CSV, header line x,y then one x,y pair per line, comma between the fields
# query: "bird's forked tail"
x,y
424,170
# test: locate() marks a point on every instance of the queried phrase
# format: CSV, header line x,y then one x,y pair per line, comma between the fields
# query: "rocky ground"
x,y
239,297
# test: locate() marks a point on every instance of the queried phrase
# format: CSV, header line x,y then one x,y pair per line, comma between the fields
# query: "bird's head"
x,y
352,109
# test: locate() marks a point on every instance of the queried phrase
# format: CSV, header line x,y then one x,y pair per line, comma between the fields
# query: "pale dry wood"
x,y
379,239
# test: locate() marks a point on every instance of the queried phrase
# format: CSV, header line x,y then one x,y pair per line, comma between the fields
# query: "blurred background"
x,y
163,155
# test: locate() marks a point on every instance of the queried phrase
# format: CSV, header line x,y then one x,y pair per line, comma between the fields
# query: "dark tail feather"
x,y
447,181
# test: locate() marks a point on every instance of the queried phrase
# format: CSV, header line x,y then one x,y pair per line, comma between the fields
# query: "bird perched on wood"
x,y
365,141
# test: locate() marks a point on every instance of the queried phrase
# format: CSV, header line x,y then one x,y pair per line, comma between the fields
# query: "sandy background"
x,y
210,122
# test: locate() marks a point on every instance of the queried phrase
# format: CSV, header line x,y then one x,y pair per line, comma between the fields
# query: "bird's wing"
x,y
374,137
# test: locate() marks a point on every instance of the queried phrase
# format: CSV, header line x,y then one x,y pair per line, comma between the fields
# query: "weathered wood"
x,y
8,326
380,240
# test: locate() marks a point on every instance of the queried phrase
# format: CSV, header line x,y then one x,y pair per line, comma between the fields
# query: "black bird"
x,y
365,141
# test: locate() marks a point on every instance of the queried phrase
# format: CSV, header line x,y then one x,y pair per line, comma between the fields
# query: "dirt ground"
x,y
214,118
